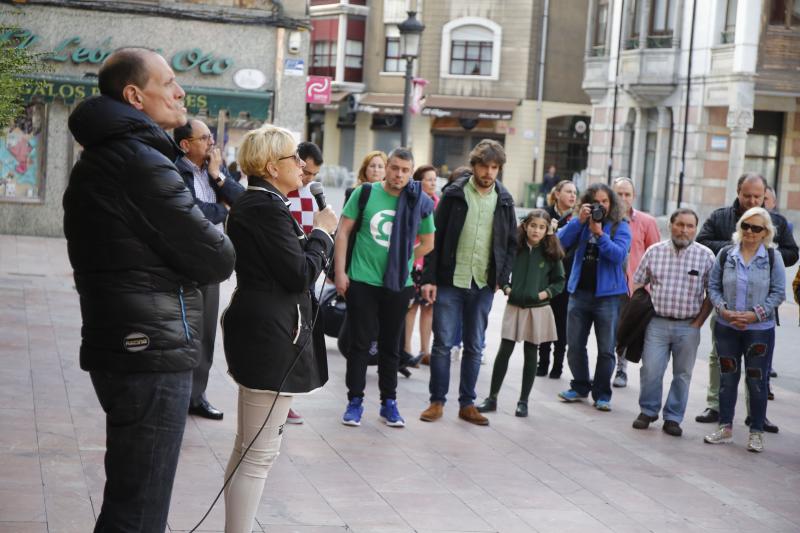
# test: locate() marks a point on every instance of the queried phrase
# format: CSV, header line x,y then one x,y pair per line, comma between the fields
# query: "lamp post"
x,y
410,32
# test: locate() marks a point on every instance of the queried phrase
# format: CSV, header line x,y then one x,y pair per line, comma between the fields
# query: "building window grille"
x,y
392,61
471,58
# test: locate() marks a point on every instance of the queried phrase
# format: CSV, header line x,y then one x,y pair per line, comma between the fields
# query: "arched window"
x,y
471,48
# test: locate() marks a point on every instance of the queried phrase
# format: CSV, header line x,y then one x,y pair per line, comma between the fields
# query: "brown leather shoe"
x,y
433,412
470,414
426,359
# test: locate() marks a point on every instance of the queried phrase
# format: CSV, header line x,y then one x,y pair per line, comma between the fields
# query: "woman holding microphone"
x,y
267,326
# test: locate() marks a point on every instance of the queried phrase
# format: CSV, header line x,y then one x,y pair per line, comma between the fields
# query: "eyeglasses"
x,y
204,138
752,227
296,156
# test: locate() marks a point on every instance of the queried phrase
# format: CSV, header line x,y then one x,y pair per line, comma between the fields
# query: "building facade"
x,y
742,95
478,76
241,63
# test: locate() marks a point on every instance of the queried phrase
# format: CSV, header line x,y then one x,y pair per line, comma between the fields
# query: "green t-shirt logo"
x,y
380,226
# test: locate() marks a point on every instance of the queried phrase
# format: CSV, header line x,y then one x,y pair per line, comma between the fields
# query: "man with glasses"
x,y
716,233
303,206
213,191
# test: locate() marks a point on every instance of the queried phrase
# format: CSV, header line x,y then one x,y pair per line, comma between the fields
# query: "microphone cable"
x,y
310,338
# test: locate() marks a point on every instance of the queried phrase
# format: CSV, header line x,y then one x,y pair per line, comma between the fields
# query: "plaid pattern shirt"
x,y
302,206
677,278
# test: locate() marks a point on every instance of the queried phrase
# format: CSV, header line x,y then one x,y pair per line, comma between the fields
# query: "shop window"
x,y
729,31
785,13
21,143
600,28
471,47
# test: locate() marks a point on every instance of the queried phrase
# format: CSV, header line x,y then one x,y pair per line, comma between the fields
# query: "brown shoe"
x,y
470,414
426,359
433,412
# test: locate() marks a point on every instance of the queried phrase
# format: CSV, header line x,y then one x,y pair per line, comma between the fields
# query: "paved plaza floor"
x,y
565,468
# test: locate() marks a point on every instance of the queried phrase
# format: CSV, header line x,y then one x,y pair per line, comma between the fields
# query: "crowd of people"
x,y
154,223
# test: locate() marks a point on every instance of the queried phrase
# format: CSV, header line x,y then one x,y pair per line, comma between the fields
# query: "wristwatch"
x,y
218,180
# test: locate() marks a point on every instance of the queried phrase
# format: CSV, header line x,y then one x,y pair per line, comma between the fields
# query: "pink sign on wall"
x,y
318,90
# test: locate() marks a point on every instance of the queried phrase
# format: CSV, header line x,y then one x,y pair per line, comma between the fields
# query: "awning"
x,y
437,105
383,103
255,105
336,100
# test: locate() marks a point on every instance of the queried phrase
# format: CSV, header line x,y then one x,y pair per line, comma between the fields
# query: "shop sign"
x,y
318,90
294,67
72,50
458,113
255,104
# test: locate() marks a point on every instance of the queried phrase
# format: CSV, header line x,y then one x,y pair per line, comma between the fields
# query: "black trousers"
x,y
210,313
559,306
372,310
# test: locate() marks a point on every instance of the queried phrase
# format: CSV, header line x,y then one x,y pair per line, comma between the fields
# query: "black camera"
x,y
598,212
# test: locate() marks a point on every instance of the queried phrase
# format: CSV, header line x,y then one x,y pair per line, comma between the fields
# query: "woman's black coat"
x,y
269,318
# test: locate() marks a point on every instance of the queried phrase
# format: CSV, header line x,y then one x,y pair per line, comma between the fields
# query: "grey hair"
x,y
625,179
769,238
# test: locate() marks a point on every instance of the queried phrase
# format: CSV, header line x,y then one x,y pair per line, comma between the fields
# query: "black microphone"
x,y
318,192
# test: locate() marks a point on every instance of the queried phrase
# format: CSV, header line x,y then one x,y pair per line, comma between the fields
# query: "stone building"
x,y
481,62
241,62
743,98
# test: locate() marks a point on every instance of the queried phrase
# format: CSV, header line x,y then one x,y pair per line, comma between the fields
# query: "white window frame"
x,y
497,41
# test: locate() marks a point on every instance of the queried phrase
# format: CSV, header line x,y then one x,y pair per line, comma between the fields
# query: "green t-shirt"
x,y
371,251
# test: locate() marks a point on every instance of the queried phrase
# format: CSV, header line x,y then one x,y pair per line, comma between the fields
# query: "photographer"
x,y
595,285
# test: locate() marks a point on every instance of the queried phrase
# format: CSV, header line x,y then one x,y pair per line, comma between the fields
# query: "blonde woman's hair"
x,y
551,196
264,145
769,238
362,171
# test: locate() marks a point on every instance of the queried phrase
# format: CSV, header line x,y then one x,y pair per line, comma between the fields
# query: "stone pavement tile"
x,y
435,511
16,389
22,504
566,521
365,510
197,483
283,528
20,469
307,508
23,527
19,430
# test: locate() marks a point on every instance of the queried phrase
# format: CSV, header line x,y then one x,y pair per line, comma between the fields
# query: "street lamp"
x,y
410,32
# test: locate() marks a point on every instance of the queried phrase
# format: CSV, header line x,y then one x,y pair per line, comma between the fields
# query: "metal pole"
x,y
686,110
540,89
616,92
406,104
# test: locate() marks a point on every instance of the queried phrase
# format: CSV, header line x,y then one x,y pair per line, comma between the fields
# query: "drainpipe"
x,y
686,111
540,93
616,91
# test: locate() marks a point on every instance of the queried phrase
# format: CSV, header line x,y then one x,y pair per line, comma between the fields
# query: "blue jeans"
x,y
584,310
665,337
145,418
755,346
469,310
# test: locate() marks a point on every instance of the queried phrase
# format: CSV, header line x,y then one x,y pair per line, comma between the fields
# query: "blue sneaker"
x,y
390,415
570,396
602,405
352,415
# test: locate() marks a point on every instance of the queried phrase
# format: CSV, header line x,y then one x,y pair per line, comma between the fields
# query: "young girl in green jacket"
x,y
537,276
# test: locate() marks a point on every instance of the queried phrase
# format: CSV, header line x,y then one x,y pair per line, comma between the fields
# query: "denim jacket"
x,y
765,291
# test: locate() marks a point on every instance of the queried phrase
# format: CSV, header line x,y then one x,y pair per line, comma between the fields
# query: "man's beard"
x,y
681,243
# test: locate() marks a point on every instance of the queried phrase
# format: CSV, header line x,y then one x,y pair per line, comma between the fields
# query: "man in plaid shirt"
x,y
676,273
301,202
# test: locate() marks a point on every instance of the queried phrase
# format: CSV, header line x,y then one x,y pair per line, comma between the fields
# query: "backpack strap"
x,y
363,198
723,255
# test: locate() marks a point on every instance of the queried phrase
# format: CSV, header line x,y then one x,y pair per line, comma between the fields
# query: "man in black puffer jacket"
x,y
139,247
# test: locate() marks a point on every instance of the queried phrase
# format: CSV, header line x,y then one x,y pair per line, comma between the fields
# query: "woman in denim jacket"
x,y
745,292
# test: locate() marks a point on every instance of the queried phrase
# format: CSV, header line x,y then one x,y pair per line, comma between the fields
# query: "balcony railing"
x,y
659,41
728,37
630,44
597,51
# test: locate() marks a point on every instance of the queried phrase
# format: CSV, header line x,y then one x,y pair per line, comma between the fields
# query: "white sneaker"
x,y
455,353
721,436
755,443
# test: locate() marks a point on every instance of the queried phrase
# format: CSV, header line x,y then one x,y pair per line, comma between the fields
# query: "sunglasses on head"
x,y
752,227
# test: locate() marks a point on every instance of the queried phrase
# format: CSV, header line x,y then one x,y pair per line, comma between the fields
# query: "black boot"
x,y
558,366
488,405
